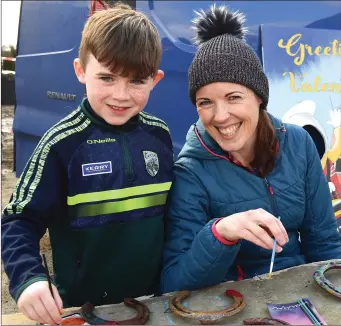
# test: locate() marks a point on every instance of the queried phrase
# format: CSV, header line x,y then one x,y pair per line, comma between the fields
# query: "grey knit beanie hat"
x,y
223,55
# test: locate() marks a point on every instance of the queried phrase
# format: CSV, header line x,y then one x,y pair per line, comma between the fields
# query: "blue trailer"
x,y
49,36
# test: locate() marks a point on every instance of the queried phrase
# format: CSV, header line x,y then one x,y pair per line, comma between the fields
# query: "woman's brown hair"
x,y
266,145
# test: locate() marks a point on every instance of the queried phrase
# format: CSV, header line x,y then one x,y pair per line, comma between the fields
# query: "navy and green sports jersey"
x,y
101,192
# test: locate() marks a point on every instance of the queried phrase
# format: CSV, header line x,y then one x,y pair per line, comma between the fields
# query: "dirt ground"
x,y
8,181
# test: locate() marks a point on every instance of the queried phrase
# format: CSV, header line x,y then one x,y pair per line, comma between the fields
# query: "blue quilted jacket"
x,y
207,187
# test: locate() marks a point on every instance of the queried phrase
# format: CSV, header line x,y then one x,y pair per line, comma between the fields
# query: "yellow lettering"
x,y
291,42
327,50
318,50
292,81
299,60
334,47
306,87
335,88
317,83
309,49
300,54
324,87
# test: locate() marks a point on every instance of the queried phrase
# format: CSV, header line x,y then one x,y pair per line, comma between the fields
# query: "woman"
x,y
243,177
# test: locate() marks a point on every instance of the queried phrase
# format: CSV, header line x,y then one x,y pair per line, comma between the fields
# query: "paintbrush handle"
x,y
273,253
48,275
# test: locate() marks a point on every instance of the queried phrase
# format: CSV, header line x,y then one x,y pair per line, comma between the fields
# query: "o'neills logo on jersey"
x,y
96,168
100,141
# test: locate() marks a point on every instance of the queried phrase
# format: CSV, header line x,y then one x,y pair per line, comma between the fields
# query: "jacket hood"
x,y
198,138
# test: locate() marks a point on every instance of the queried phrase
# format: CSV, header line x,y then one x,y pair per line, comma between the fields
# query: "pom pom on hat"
x,y
218,21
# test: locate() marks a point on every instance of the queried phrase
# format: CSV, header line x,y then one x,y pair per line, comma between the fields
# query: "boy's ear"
x,y
79,71
159,75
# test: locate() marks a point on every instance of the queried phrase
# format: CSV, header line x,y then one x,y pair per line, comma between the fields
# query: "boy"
x,y
98,180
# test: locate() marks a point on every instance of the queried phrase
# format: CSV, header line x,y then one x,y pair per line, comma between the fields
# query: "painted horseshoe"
x,y
141,317
264,321
211,317
322,281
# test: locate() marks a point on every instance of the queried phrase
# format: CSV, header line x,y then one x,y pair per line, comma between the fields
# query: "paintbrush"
x,y
308,312
48,275
273,254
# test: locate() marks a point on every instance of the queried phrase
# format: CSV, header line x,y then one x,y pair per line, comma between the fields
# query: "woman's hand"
x,y
257,226
37,303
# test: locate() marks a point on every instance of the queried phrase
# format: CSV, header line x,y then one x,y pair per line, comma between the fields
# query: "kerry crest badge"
x,y
152,162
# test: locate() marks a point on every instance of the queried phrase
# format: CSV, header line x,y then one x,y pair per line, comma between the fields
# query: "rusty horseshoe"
x,y
264,321
141,317
210,317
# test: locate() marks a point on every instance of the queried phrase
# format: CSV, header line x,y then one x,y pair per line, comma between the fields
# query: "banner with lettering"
x,y
304,70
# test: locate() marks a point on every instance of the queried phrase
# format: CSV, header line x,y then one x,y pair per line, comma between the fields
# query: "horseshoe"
x,y
264,321
322,281
73,321
211,317
141,317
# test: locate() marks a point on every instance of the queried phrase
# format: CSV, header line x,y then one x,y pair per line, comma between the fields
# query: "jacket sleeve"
x,y
26,217
319,234
193,257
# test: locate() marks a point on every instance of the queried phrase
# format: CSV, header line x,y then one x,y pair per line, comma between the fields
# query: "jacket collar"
x,y
213,146
101,123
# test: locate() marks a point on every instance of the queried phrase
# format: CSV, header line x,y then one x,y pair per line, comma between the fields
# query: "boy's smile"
x,y
116,109
113,97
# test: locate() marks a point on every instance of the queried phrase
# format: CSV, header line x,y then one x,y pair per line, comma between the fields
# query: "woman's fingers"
x,y
264,238
281,226
249,236
260,237
257,226
274,225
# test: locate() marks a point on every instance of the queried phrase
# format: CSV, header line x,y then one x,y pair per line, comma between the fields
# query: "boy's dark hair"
x,y
123,40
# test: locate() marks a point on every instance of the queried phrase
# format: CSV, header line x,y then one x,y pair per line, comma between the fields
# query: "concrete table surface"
x,y
285,286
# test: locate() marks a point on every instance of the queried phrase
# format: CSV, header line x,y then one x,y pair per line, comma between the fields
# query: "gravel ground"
x,y
8,181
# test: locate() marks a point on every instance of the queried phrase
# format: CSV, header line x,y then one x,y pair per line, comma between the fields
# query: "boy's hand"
x,y
37,303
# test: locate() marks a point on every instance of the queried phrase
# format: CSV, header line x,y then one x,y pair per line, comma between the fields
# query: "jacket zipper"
x,y
129,172
272,198
273,202
267,184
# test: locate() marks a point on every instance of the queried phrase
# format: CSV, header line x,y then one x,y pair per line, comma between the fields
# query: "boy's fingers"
x,y
42,312
32,314
51,307
27,312
58,299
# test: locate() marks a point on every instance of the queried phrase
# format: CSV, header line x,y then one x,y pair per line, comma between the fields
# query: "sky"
x,y
10,11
